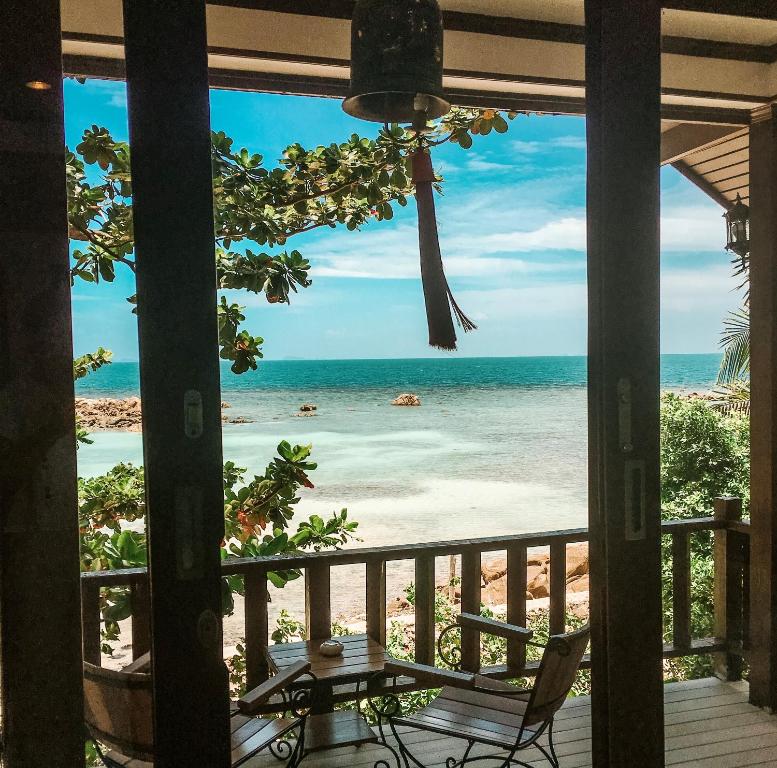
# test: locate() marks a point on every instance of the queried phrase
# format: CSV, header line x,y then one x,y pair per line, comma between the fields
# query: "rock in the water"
x,y
407,399
109,413
115,414
307,407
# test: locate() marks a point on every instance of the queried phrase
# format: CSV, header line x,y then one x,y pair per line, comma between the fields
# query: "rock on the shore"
x,y
109,413
538,575
407,399
307,407
120,414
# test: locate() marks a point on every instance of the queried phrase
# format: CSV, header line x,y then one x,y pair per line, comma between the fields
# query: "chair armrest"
x,y
434,676
141,664
492,627
252,701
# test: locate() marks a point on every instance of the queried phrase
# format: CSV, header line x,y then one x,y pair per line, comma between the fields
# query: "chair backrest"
x,y
117,710
556,675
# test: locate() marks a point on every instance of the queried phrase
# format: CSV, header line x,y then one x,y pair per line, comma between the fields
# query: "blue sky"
x,y
512,231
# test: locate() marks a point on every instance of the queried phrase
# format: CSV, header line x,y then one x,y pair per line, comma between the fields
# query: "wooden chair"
x,y
483,710
117,711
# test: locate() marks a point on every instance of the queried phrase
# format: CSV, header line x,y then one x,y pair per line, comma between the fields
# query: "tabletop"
x,y
361,657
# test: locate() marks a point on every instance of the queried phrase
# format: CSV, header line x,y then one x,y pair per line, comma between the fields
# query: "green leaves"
x,y
239,346
341,184
257,517
735,341
318,534
92,361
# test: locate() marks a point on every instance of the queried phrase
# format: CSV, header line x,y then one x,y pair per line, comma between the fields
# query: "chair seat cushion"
x,y
483,717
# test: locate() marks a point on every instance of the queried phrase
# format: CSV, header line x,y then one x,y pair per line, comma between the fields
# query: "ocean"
x,y
498,445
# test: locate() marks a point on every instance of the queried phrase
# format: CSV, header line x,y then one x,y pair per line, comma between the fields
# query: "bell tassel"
x,y
437,293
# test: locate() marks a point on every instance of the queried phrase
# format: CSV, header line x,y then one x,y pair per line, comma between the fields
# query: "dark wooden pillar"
x,y
169,124
623,76
763,414
40,629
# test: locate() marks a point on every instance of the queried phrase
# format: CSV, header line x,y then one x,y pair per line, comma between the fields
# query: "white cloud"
x,y
115,92
692,228
694,290
529,302
569,142
557,142
478,163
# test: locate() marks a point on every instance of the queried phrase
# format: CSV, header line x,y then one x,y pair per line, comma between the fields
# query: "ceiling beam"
x,y
702,183
751,9
690,137
507,26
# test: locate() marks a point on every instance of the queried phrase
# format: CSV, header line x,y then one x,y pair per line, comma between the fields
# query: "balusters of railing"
x,y
424,609
745,592
256,627
140,601
731,581
470,603
318,606
681,589
90,620
376,601
516,602
558,587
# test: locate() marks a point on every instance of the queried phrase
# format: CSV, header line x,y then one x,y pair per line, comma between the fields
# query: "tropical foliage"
x,y
734,371
257,208
257,520
705,453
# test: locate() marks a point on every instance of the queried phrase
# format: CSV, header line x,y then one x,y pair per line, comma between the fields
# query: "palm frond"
x,y
741,269
735,341
737,391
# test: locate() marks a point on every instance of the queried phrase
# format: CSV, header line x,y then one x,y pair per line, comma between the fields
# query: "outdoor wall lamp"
x,y
396,62
738,225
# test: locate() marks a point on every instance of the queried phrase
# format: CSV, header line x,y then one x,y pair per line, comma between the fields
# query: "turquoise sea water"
x,y
498,445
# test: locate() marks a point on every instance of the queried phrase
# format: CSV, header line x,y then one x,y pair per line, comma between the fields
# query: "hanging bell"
x,y
396,62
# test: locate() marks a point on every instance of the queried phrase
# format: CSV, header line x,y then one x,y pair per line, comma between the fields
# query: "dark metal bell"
x,y
396,61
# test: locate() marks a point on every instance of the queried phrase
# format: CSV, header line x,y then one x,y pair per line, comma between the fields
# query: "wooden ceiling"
x,y
528,54
718,67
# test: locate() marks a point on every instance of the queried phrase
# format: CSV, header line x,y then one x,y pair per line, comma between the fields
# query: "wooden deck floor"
x,y
708,724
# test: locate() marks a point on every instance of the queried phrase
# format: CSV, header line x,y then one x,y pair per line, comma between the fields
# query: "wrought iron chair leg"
x,y
298,755
554,762
381,763
281,750
407,756
550,753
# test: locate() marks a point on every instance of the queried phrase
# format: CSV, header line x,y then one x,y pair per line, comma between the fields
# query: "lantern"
x,y
738,224
396,62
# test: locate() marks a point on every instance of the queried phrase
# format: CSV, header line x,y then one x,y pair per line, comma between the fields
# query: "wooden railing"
x,y
731,548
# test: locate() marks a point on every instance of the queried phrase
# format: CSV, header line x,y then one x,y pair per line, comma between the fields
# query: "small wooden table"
x,y
361,658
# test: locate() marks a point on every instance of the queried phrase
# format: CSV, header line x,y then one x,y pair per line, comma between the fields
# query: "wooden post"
x,y
257,628
169,122
558,588
516,602
681,589
471,576
140,600
318,606
376,601
91,622
763,410
623,81
41,703
729,588
424,609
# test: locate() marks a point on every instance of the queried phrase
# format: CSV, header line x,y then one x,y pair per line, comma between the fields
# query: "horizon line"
x,y
446,357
